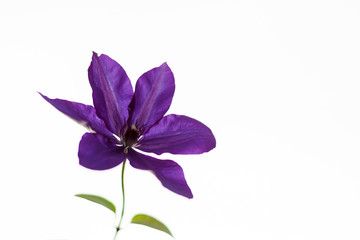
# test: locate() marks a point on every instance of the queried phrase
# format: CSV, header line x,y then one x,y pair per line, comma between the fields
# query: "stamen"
x,y
117,137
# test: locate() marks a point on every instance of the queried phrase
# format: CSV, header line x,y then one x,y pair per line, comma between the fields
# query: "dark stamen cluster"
x,y
130,137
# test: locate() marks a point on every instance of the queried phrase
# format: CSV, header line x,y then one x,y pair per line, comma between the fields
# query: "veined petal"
x,y
98,152
178,134
81,113
153,95
168,172
112,91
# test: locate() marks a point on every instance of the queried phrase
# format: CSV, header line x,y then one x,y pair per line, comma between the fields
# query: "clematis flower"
x,y
123,121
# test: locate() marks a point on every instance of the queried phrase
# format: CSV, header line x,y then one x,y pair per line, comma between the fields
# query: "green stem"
x,y
123,198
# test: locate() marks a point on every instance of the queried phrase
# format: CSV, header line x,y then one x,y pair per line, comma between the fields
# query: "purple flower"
x,y
122,121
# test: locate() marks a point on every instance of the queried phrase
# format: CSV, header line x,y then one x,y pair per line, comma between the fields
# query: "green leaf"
x,y
99,200
149,221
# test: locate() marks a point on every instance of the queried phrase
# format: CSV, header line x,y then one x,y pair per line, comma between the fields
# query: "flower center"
x,y
130,138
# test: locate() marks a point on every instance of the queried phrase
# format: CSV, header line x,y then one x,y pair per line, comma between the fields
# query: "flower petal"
x,y
168,172
81,113
112,91
153,95
97,152
178,135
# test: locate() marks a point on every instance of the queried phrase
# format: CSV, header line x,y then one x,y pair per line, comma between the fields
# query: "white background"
x,y
276,81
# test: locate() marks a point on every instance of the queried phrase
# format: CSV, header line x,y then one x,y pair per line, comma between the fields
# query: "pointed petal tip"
x,y
40,93
164,64
44,97
94,58
97,56
190,195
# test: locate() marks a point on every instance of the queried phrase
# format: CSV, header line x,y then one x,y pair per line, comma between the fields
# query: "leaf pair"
x,y
141,219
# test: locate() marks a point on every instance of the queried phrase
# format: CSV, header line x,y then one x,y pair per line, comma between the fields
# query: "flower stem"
x,y
123,199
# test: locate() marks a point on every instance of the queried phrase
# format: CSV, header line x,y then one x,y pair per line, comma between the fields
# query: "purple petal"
x,y
83,114
168,172
97,152
112,91
152,98
178,135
